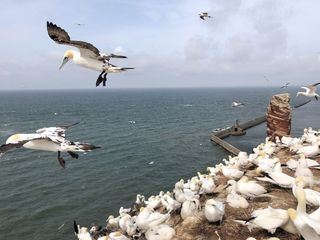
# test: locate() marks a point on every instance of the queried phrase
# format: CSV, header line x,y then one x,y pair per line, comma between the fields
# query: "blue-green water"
x,y
171,127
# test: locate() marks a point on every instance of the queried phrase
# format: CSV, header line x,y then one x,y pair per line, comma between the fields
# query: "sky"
x,y
245,43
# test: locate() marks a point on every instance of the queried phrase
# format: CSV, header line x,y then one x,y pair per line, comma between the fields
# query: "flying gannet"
x,y
47,139
285,85
311,91
88,57
204,15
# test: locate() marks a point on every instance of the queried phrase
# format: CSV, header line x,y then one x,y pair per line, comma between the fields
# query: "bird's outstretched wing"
x,y
202,17
316,84
55,134
107,57
60,36
307,89
18,144
7,147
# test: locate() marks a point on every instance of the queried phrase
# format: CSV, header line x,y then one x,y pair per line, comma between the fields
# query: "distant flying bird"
x,y
88,57
285,85
311,91
204,15
267,79
237,104
47,139
80,24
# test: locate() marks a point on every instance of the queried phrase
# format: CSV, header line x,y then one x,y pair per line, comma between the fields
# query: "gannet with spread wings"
x,y
88,56
47,139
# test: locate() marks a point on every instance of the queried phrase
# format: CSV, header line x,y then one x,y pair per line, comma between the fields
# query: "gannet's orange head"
x,y
14,139
66,57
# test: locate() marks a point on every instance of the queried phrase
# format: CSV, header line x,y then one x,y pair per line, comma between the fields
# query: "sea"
x,y
149,138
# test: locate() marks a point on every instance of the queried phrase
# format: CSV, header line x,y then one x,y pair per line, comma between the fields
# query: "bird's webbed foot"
x,y
100,79
61,161
73,154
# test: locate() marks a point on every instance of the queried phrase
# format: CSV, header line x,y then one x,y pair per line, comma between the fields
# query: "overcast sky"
x,y
165,40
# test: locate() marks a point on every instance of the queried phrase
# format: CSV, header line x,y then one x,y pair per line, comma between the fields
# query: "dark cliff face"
x,y
279,116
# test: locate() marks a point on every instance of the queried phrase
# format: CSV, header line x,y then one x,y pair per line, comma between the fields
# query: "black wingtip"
x,y
75,227
248,220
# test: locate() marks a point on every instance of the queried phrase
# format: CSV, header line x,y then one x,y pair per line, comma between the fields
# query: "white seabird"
x,y
47,139
311,91
268,218
214,210
237,104
88,57
204,15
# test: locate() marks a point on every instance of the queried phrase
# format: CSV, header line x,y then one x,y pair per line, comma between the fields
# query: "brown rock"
x,y
279,116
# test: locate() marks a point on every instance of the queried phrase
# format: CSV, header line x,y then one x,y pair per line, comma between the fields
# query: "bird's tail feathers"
x,y
126,68
117,56
87,147
81,147
70,125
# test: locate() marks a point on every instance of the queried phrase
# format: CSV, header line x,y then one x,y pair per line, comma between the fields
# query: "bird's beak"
x,y
64,61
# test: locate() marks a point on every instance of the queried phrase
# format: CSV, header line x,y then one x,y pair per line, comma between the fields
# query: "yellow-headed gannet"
x,y
214,210
88,57
47,139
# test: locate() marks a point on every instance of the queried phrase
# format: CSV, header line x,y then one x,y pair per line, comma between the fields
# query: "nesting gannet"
x,y
170,203
47,139
207,185
247,188
311,91
237,104
285,85
204,15
268,218
312,196
82,233
190,208
147,218
214,210
310,150
160,232
235,200
307,227
232,171
88,57
112,223
304,172
278,177
302,226
117,236
292,164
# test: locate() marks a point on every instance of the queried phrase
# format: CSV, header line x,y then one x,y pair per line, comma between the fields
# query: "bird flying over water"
x,y
47,139
285,85
88,56
311,91
204,15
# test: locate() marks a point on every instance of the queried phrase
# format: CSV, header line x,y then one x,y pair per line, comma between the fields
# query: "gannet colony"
x,y
272,193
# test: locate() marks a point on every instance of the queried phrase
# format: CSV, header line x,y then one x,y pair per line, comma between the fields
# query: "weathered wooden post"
x,y
279,116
